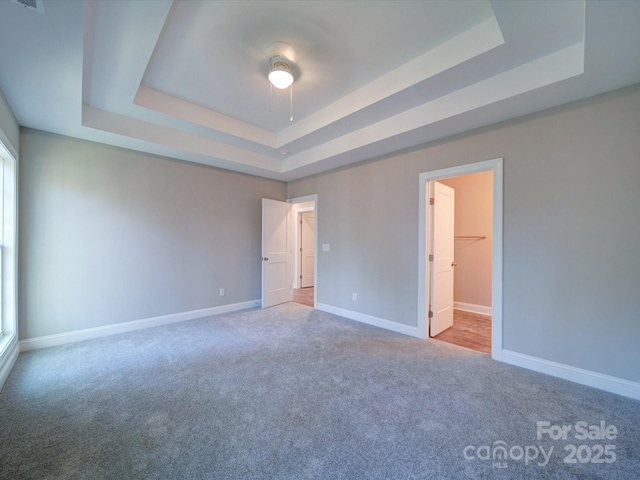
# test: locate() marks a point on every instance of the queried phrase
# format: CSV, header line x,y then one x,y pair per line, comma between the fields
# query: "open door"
x,y
307,249
442,229
276,253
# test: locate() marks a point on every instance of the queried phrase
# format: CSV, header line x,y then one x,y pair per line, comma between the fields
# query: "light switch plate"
x,y
326,247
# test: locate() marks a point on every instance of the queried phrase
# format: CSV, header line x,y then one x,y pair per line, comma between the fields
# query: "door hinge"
x,y
431,257
430,314
432,201
300,277
300,249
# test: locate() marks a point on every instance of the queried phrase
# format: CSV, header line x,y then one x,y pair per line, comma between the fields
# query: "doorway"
x,y
426,232
470,239
280,242
305,251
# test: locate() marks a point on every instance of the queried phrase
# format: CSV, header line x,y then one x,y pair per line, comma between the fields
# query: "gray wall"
x,y
109,235
9,130
571,231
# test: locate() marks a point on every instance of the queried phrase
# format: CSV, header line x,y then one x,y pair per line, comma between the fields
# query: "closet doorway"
x,y
474,258
472,200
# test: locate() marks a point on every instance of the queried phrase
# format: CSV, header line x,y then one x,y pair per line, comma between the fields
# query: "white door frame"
x,y
494,166
309,198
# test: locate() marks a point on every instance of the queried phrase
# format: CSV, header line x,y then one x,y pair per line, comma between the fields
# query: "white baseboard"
x,y
89,333
11,355
470,307
369,319
608,383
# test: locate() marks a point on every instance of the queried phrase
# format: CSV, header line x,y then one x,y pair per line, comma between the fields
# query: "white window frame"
x,y
9,259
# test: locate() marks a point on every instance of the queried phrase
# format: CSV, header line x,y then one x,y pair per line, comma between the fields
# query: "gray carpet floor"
x,y
293,393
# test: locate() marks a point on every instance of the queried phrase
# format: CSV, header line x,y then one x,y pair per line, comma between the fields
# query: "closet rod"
x,y
466,237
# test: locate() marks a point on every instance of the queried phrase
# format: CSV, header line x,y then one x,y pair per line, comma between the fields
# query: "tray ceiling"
x,y
187,79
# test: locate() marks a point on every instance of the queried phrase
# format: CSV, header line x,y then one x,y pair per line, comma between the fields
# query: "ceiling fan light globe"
x,y
280,78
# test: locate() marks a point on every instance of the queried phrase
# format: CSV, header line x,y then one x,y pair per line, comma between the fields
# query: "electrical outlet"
x,y
354,297
222,292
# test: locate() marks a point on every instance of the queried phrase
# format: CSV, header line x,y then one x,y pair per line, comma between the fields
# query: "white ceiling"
x,y
187,79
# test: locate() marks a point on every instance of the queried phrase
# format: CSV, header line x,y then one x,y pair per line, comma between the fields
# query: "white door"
x,y
307,249
442,266
276,252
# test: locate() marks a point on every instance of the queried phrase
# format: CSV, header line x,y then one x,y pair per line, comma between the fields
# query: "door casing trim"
x,y
495,166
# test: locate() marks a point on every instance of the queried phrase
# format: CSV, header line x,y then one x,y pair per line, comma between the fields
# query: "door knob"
x,y
266,259
454,264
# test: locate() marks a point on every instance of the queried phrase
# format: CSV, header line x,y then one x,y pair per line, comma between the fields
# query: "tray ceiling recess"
x,y
188,79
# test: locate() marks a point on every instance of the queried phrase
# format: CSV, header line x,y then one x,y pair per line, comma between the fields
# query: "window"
x,y
8,237
1,235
